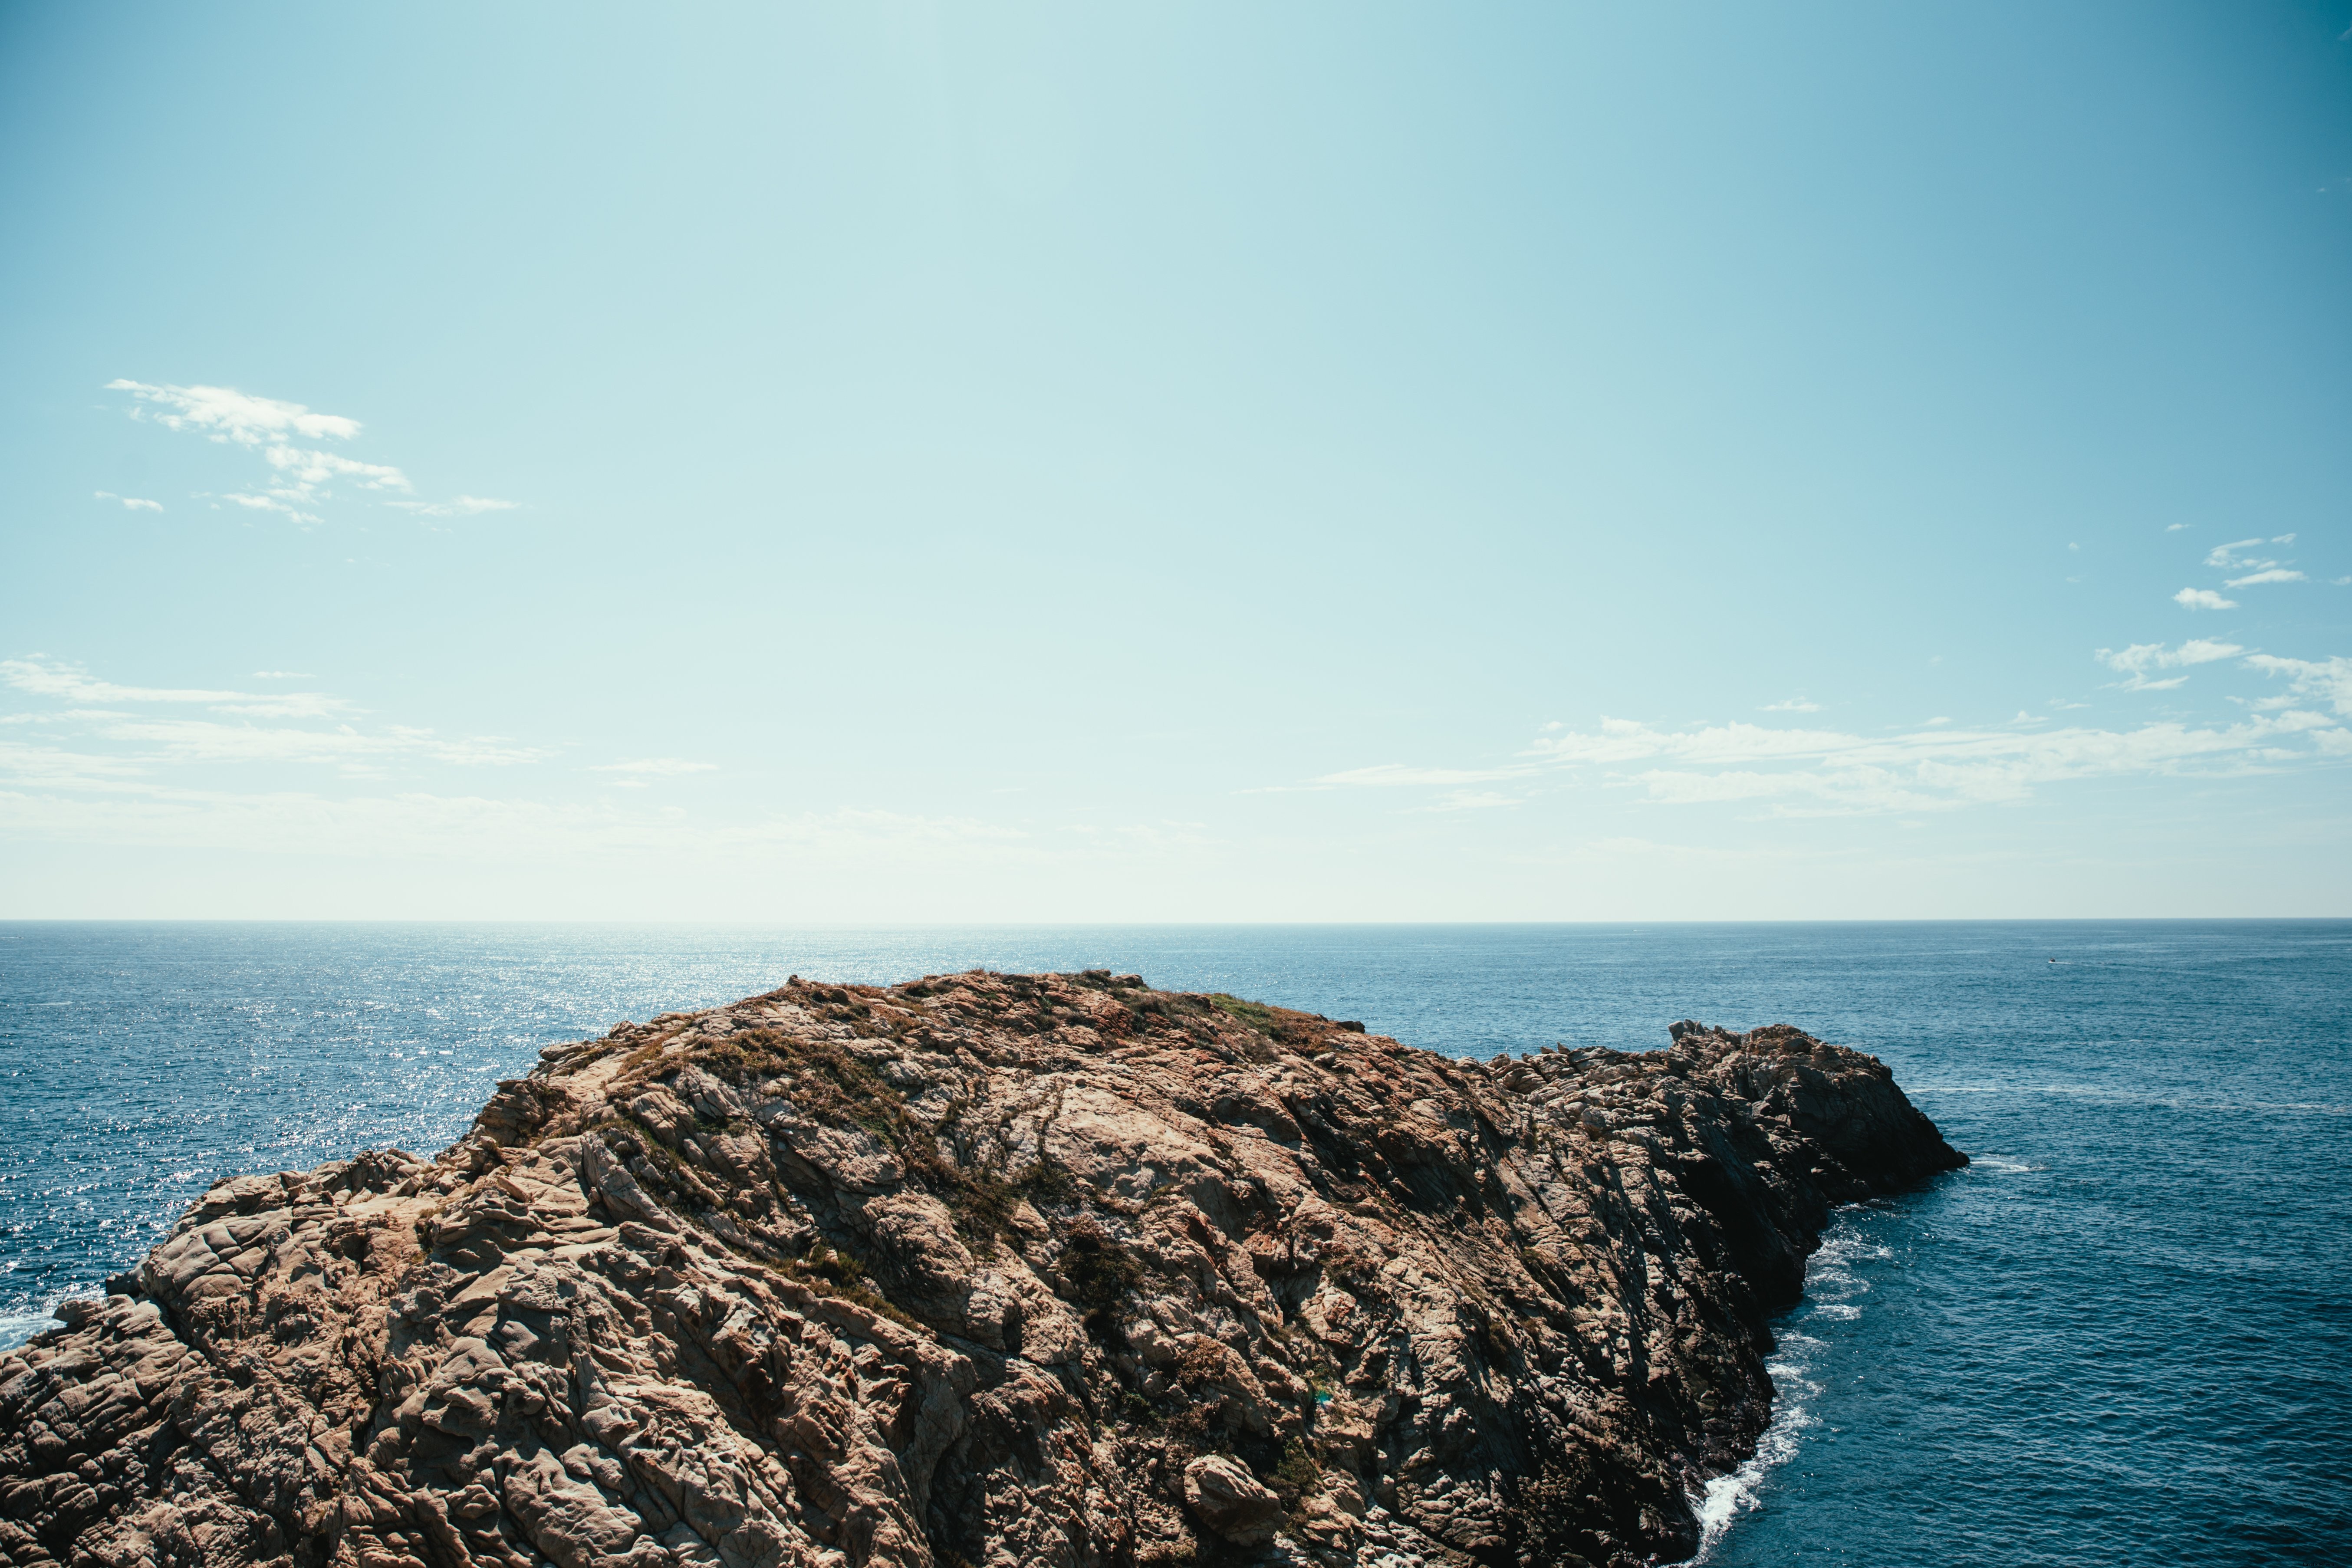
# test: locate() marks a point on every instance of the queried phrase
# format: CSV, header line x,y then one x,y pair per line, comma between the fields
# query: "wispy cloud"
x,y
301,476
206,741
1475,800
130,503
1396,775
1793,705
1799,772
2140,659
48,677
63,797
1823,774
2237,556
307,469
273,501
2225,557
251,727
226,415
662,767
2203,599
463,506
2326,679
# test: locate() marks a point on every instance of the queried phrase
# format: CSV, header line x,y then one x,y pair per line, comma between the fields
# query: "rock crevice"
x,y
981,1271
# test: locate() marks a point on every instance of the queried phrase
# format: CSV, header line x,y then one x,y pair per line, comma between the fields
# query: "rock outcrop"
x,y
981,1271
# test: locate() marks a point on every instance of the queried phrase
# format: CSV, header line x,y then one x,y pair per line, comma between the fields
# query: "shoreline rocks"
x,y
979,1271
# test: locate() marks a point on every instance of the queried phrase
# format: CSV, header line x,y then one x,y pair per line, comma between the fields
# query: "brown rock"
x,y
979,1269
1226,1497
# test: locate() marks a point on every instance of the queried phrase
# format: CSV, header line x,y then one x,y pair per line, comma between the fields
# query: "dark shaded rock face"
x,y
982,1271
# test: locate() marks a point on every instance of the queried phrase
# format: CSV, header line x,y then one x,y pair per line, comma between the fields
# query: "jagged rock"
x,y
1230,1501
981,1270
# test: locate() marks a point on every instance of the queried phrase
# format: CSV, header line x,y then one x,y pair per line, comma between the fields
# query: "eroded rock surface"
x,y
982,1271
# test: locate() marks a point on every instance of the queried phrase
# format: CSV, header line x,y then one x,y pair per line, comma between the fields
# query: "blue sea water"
x,y
2123,1335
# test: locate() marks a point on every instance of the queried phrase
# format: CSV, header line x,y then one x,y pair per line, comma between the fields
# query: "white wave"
x,y
2000,1165
1726,1498
16,1327
1723,1499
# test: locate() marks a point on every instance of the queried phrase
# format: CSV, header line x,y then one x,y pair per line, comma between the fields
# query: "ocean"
x,y
2122,1335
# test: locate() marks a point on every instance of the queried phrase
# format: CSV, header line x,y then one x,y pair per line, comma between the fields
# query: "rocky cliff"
x,y
982,1271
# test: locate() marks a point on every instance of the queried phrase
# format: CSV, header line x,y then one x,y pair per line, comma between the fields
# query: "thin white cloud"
x,y
2225,557
1473,800
2252,569
187,741
236,737
226,415
2203,599
662,767
1793,705
272,502
306,470
48,677
1826,772
2327,680
64,797
463,506
130,503
1393,774
2140,659
2156,656
1950,769
2174,527
282,675
302,477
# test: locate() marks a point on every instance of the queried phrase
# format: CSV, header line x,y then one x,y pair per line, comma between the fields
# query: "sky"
x,y
914,463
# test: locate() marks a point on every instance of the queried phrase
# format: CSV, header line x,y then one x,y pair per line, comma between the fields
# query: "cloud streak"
x,y
251,727
1822,771
2138,659
462,506
659,767
2327,680
301,476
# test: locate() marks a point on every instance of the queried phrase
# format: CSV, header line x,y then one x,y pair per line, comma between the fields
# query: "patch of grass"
x,y
1256,1015
1096,1270
1049,1182
1286,1027
838,1274
1296,1475
643,1057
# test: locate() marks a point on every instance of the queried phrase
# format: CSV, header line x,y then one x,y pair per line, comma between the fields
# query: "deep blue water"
x,y
2123,1336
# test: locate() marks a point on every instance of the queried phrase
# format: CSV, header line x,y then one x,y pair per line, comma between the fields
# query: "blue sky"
x,y
898,463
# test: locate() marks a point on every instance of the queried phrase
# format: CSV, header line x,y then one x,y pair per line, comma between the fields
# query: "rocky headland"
x,y
981,1271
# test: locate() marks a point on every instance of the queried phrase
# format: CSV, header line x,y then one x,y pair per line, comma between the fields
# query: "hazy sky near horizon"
x,y
924,463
